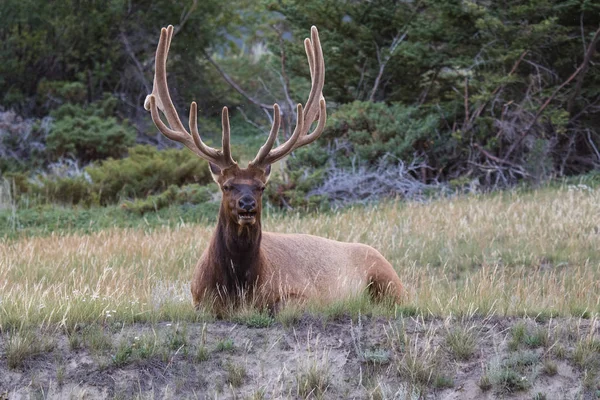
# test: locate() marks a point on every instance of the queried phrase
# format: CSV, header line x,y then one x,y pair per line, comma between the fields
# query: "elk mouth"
x,y
246,217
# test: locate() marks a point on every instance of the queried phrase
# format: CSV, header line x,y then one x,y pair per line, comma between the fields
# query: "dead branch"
x,y
546,103
138,66
584,67
466,100
285,80
360,184
399,38
482,107
185,15
234,85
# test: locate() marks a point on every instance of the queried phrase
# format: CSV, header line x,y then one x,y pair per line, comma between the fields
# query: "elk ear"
x,y
215,171
267,172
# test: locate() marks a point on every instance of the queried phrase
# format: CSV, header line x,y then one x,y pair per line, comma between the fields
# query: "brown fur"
x,y
242,262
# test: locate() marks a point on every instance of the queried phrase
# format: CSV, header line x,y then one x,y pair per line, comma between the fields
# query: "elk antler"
x,y
161,100
313,110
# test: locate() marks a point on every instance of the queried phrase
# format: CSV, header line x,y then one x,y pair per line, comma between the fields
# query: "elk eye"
x,y
227,188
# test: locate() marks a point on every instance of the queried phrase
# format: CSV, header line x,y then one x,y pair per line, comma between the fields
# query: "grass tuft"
x,y
461,342
484,383
122,354
313,381
587,354
23,345
236,374
224,345
177,338
550,367
253,317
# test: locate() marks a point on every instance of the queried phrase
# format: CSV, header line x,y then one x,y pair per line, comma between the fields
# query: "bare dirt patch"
x,y
410,357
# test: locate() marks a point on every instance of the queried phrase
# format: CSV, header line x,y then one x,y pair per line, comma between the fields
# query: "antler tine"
x,y
266,148
160,89
168,132
161,99
206,150
311,112
226,137
314,53
283,149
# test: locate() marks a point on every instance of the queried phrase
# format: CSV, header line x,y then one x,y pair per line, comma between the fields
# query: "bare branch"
x,y
399,38
547,102
140,69
591,142
234,85
185,15
584,67
482,107
285,80
360,184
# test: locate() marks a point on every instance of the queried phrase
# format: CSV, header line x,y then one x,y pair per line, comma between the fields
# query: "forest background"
x,y
423,96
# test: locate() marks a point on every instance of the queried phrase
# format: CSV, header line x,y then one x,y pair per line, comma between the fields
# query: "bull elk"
x,y
242,260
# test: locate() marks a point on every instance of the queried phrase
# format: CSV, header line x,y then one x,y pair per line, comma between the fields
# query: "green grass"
x,y
514,374
523,253
24,344
224,345
461,342
55,219
313,380
236,374
252,317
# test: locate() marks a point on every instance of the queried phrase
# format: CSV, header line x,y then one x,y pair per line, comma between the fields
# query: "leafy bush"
x,y
62,91
64,190
145,172
89,138
189,194
374,129
103,108
89,133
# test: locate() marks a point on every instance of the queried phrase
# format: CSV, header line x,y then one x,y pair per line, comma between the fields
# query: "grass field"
x,y
513,254
502,254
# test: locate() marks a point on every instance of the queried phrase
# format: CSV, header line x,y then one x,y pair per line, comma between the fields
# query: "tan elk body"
x,y
241,260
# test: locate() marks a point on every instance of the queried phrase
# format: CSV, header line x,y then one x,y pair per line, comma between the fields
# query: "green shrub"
x,y
374,129
89,138
89,133
65,91
51,189
174,195
19,182
146,171
64,190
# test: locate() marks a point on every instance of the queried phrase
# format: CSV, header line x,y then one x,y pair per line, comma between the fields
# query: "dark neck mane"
x,y
236,253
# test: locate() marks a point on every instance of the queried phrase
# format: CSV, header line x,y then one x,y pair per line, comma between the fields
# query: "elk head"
x,y
242,187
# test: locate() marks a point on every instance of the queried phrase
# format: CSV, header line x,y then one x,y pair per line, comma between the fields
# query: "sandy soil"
x,y
366,358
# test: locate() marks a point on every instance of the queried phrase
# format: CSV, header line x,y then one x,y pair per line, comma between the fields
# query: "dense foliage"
x,y
498,76
492,92
146,171
88,133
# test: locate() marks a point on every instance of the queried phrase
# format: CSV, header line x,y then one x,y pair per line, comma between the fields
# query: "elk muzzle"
x,y
246,210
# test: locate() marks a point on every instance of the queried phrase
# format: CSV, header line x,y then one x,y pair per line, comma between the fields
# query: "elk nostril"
x,y
247,204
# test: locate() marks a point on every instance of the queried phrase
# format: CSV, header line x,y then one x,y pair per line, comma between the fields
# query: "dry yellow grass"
x,y
505,254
